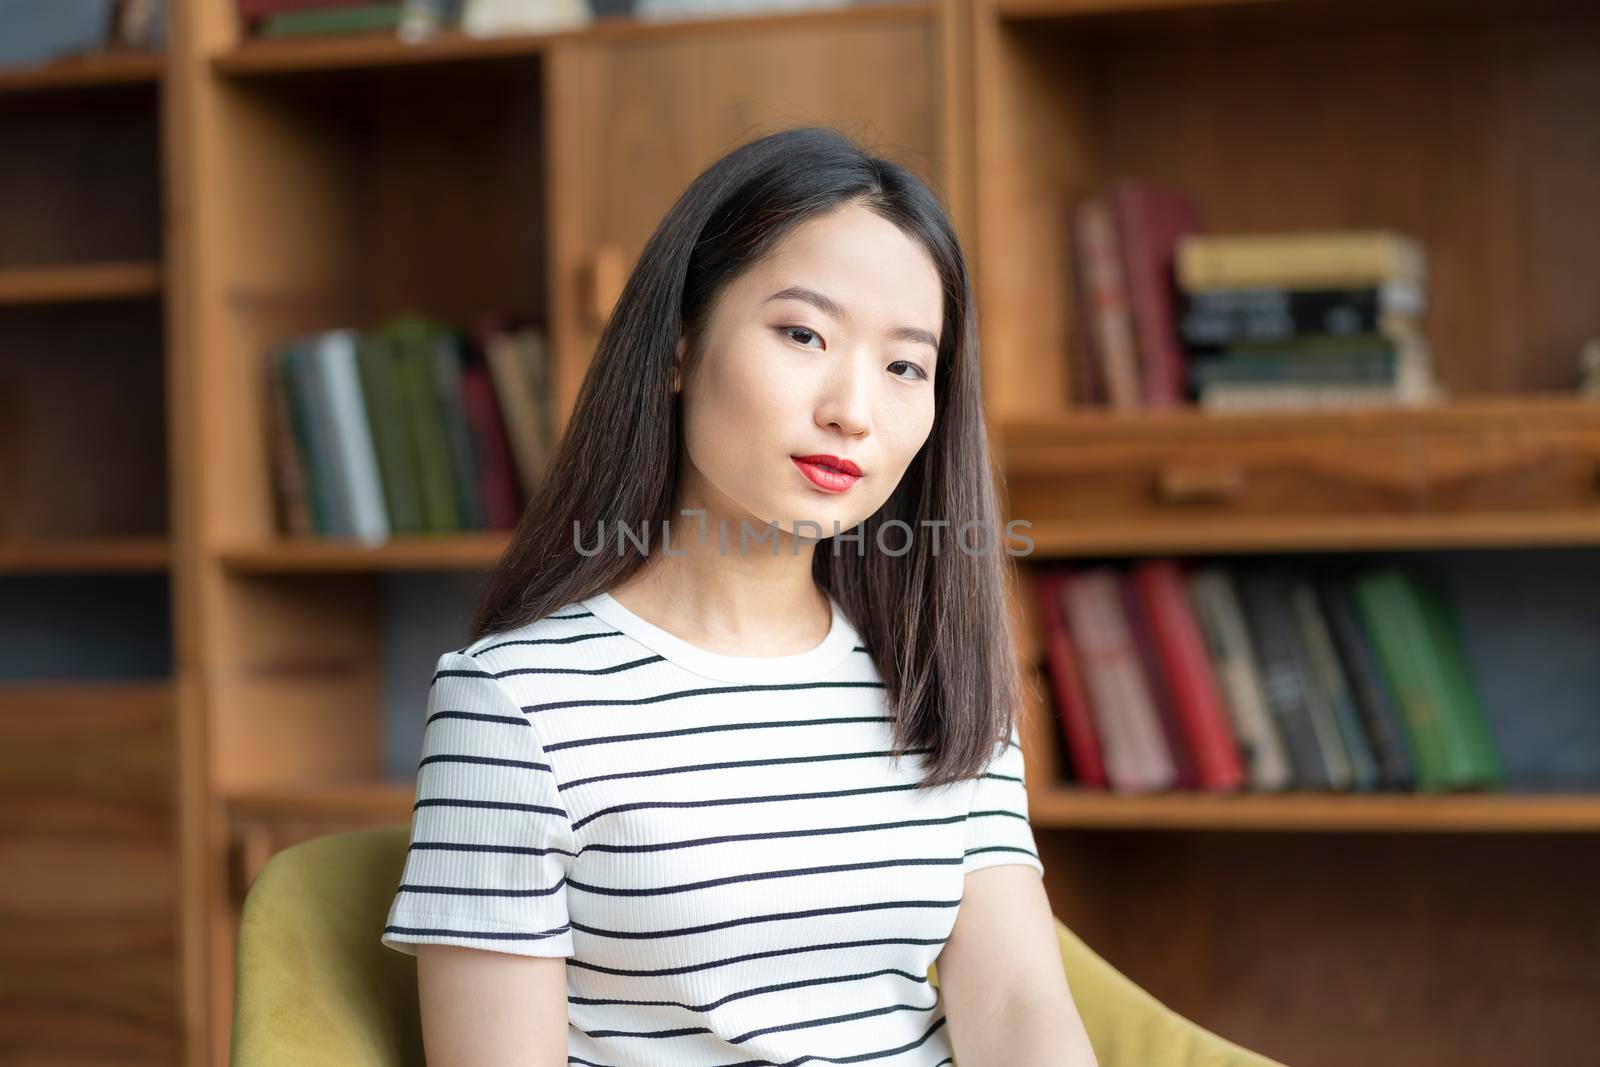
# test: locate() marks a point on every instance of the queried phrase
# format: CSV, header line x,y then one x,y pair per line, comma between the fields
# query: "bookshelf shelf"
x,y
86,72
468,551
68,283
1190,536
1067,808
374,801
101,555
286,55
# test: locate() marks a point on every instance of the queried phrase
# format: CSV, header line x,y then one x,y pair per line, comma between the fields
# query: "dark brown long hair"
x,y
935,623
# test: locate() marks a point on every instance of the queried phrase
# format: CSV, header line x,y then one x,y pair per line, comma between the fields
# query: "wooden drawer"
x,y
1547,461
1472,472
1160,467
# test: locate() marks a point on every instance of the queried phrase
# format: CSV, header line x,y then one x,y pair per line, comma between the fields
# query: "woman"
x,y
731,757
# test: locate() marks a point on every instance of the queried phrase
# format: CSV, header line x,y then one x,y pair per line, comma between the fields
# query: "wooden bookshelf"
x,y
91,856
1255,109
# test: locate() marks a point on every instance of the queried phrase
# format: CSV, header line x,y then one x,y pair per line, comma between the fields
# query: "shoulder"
x,y
564,623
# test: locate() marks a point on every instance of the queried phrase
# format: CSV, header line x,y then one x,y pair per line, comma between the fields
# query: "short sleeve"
x,y
491,842
998,830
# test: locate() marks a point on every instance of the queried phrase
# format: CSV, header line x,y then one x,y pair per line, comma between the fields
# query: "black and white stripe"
x,y
722,847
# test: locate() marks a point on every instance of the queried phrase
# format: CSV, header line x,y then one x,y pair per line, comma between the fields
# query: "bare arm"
x,y
483,1008
1000,975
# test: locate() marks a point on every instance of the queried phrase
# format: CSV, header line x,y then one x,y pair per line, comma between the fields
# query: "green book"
x,y
1392,615
357,18
291,372
386,414
1479,754
412,337
458,432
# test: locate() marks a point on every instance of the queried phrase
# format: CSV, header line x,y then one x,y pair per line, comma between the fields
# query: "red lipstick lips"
x,y
829,473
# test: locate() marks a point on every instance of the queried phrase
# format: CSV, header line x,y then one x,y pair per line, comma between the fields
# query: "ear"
x,y
677,367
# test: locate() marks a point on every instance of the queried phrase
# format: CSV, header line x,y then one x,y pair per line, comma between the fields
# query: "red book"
x,y
1196,697
1071,698
1149,223
497,477
1144,642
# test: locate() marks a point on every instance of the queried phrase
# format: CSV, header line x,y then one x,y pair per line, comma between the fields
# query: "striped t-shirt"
x,y
720,845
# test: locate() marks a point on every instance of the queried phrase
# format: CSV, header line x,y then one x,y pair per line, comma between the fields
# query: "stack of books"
x,y
1264,678
1304,319
408,429
1126,352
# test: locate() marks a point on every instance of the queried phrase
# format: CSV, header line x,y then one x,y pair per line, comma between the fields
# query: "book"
x,y
326,21
291,467
355,462
312,447
516,359
1410,385
1328,679
1110,318
1150,222
1480,764
1202,715
496,471
1187,774
1353,364
1219,317
1136,756
1067,688
386,413
412,340
1373,701
1088,387
1306,259
1280,655
1449,746
446,350
1221,620
492,18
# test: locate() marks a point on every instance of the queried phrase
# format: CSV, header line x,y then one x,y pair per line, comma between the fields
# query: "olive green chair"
x,y
316,988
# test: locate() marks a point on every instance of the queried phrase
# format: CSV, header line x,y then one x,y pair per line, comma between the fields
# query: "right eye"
x,y
790,331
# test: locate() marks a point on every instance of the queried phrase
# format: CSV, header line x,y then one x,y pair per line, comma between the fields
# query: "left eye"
x,y
903,363
790,331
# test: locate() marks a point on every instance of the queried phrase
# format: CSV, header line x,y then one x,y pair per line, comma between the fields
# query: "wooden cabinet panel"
x,y
1202,468
1528,463
633,120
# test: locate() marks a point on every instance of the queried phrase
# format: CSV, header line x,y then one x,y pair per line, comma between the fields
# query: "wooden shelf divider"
x,y
476,550
100,555
109,68
65,283
1063,807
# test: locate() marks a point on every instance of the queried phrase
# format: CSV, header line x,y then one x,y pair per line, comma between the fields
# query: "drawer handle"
x,y
1187,483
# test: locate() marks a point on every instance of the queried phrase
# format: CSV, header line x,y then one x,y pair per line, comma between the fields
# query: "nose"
x,y
846,400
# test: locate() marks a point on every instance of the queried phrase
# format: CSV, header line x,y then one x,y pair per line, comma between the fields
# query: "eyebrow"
x,y
832,307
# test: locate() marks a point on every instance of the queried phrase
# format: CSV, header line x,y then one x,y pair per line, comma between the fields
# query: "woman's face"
x,y
826,348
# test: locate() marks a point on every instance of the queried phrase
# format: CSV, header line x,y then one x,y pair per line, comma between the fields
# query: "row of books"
x,y
412,428
33,33
418,19
1169,314
1264,677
